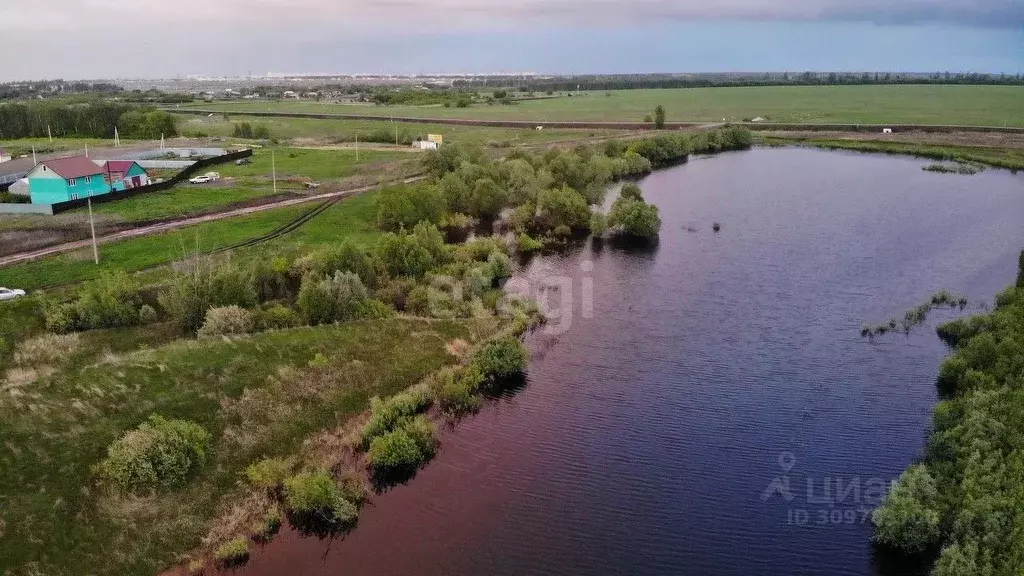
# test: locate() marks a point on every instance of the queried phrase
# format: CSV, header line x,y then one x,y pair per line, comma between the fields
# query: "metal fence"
x,y
155,187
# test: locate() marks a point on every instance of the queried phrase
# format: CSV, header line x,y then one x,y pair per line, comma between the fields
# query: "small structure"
x,y
64,179
5,156
19,188
124,174
886,130
425,145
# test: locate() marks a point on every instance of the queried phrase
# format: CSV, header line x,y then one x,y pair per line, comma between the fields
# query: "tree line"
x,y
96,119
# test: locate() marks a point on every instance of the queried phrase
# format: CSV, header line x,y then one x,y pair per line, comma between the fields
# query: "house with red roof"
x,y
63,179
124,174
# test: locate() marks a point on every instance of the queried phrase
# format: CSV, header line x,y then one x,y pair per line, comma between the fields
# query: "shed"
x,y
125,174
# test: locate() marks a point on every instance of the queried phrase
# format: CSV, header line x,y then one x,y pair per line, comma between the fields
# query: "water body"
x,y
656,436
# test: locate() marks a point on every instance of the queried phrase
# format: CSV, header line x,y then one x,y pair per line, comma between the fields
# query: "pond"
x,y
707,405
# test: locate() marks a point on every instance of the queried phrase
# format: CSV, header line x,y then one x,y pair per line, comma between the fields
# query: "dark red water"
x,y
657,435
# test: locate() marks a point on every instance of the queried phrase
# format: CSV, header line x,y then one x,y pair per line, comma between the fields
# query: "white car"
x,y
200,180
6,294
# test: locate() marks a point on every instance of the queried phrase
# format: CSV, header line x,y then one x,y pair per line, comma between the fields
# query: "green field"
x,y
911,104
1009,158
179,202
347,130
353,218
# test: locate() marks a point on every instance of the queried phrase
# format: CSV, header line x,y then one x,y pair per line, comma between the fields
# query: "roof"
x,y
73,167
122,166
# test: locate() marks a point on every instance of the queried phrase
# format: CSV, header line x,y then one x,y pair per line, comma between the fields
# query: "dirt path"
x,y
185,222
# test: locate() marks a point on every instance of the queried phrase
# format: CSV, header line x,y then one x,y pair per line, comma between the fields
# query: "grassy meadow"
x,y
909,104
347,130
260,396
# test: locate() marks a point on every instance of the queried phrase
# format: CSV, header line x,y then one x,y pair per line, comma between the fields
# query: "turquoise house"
x,y
63,179
125,174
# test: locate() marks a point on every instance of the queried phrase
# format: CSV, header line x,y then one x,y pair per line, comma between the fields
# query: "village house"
x,y
63,179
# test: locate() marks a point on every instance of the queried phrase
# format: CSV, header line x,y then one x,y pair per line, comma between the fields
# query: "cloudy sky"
x,y
161,38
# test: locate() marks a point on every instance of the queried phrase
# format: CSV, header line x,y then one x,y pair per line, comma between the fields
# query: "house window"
x,y
74,195
72,182
88,179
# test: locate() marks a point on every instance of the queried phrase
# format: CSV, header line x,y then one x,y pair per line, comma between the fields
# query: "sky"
x,y
76,39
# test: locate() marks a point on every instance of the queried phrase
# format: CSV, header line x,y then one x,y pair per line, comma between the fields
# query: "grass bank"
x,y
1009,158
259,395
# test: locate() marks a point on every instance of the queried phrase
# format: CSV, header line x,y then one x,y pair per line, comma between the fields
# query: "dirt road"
x,y
185,222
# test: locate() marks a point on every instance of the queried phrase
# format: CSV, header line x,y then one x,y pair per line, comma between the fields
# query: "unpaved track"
x,y
330,197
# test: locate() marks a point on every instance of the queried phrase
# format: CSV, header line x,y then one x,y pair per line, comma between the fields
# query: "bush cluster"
x,y
160,453
227,320
403,449
502,358
112,301
316,494
323,300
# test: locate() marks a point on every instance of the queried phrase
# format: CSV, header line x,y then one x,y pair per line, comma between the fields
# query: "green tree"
x,y
659,117
908,517
634,218
1020,271
562,207
631,190
487,199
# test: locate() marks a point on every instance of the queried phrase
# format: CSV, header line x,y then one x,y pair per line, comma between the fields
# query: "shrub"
x,y
373,310
316,493
480,249
61,318
456,390
268,473
265,529
418,301
270,279
187,299
226,321
109,302
395,292
598,224
276,317
160,453
487,198
386,415
527,245
908,517
231,286
501,358
635,218
233,552
323,300
403,449
147,314
562,207
403,255
631,190
404,206
1020,271
499,265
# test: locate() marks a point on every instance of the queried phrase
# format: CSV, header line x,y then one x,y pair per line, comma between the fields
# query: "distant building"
x,y
124,174
64,179
5,156
425,145
19,188
886,130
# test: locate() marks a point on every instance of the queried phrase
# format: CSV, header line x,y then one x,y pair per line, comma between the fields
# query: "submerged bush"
x,y
160,453
317,494
456,390
403,449
501,358
635,218
268,473
233,552
229,320
631,191
527,245
499,265
386,415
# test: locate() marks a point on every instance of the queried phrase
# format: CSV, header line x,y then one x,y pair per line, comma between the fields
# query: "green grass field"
x,y
347,130
1011,159
179,202
258,396
353,218
912,104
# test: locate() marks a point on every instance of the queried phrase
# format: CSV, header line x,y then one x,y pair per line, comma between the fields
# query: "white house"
x,y
426,145
886,130
5,156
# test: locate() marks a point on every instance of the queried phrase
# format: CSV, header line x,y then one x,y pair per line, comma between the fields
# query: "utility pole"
x,y
86,149
49,133
34,162
273,169
92,226
357,147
